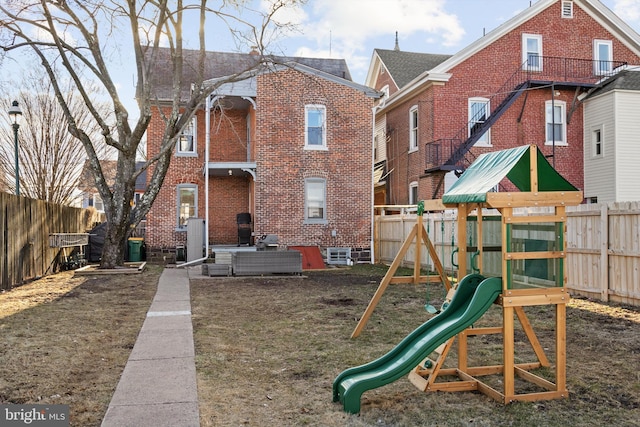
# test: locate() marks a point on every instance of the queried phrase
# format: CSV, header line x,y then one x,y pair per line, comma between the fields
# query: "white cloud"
x,y
351,22
342,28
628,10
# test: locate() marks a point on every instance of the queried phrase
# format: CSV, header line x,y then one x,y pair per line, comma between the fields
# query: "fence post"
x,y
604,252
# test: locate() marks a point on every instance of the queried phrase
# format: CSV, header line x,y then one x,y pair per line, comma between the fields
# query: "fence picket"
x,y
24,238
603,248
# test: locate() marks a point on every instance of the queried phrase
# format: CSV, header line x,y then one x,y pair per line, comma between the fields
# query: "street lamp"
x,y
15,114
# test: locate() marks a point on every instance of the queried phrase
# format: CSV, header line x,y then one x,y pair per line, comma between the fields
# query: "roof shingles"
x,y
221,64
406,66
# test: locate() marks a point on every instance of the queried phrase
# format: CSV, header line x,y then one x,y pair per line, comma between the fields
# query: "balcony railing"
x,y
451,153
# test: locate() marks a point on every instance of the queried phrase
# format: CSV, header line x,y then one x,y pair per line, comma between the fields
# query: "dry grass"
x,y
66,339
268,350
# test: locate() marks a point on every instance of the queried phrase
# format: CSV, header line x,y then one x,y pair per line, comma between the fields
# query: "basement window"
x,y
338,256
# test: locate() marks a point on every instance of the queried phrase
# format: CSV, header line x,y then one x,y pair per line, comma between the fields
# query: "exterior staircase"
x,y
453,154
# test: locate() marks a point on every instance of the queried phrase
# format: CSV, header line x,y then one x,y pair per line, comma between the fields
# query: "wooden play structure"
x,y
531,230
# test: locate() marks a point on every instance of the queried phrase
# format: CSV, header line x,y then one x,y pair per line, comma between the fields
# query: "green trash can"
x,y
135,249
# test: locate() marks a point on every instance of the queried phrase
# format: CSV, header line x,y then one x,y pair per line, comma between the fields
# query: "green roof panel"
x,y
490,169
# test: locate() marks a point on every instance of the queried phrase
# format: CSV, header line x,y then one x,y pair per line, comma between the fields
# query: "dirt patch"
x,y
66,339
268,350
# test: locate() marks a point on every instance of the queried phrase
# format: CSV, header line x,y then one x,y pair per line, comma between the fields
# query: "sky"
x,y
352,29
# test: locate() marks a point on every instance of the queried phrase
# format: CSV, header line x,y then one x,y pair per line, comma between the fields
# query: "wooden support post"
x,y
604,253
533,339
533,156
385,282
463,352
561,349
480,237
508,353
463,212
417,258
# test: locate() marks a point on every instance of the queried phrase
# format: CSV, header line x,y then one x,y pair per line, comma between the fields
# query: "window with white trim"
x,y
556,125
567,9
315,123
479,110
413,128
97,202
186,145
187,206
413,193
532,52
602,57
597,141
315,201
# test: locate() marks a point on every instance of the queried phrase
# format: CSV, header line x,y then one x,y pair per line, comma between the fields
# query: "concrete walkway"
x,y
158,384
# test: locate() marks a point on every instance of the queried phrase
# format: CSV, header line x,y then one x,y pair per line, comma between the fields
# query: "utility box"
x,y
195,238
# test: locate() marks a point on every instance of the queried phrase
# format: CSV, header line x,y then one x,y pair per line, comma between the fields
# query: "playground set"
x,y
531,259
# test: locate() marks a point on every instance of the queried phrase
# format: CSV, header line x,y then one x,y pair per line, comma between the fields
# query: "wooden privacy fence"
x,y
25,253
603,246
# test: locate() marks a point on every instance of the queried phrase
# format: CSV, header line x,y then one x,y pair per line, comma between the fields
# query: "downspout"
x,y
207,121
373,192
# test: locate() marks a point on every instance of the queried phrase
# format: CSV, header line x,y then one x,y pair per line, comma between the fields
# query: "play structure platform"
x,y
526,269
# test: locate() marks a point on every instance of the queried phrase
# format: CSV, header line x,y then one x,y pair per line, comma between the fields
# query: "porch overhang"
x,y
232,169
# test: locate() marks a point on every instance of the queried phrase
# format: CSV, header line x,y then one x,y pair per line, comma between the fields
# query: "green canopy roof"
x,y
491,168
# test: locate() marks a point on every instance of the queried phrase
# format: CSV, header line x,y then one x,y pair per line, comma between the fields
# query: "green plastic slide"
x,y
474,296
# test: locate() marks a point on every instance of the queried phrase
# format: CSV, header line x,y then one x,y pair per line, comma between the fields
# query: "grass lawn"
x,y
268,350
65,339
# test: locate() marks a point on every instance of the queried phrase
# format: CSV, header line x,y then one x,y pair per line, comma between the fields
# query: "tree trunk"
x,y
113,252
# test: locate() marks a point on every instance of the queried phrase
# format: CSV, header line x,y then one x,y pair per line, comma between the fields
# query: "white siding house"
x,y
612,140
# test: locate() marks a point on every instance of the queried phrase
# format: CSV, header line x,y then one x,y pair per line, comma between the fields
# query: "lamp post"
x,y
15,114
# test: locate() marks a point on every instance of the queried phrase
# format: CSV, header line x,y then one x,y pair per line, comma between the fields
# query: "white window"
x,y
187,203
602,56
479,109
315,201
187,139
597,141
532,52
567,9
315,137
556,125
97,203
413,128
413,193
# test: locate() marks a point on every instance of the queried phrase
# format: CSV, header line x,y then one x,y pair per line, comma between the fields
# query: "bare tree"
x,y
50,158
77,36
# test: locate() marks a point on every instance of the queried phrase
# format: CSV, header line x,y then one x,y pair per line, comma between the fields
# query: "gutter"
x,y
207,134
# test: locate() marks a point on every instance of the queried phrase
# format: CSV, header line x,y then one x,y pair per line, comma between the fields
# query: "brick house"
x,y
290,146
522,83
89,195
